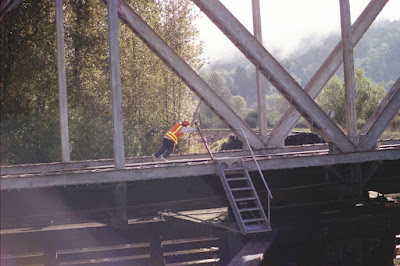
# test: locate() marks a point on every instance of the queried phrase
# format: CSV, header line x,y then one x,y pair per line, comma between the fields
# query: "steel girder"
x,y
348,71
325,72
274,72
6,6
186,73
380,119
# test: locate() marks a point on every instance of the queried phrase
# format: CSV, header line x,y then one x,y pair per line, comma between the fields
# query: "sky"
x,y
285,23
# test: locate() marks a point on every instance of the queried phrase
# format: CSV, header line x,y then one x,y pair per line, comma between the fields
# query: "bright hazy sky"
x,y
285,22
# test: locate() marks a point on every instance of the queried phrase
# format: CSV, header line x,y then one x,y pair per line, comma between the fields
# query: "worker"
x,y
170,139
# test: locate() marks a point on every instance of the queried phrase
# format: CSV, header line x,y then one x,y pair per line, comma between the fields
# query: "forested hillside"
x,y
377,63
377,53
153,97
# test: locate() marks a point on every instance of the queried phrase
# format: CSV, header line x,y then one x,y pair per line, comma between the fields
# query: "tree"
x,y
153,97
368,97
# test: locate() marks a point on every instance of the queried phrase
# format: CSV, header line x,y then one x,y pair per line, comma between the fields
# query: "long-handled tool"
x,y
204,141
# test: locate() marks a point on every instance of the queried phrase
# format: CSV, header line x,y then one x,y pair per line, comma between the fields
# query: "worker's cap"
x,y
185,123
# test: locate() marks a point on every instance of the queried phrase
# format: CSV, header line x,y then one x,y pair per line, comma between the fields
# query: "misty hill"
x,y
377,53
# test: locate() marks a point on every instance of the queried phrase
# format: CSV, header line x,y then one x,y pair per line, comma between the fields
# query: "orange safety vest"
x,y
175,133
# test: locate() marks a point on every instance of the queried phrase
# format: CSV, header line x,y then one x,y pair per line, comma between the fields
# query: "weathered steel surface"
x,y
62,82
184,168
380,119
115,82
348,69
261,100
274,72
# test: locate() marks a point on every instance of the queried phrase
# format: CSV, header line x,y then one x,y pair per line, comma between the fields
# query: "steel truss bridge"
x,y
339,199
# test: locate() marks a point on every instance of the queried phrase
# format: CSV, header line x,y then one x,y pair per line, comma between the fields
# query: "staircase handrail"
x,y
255,161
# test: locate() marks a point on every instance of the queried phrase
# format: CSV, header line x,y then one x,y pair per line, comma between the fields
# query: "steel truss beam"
x,y
186,73
6,6
325,72
274,72
348,71
381,118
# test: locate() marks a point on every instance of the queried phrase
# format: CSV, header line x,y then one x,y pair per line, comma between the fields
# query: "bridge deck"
x,y
102,171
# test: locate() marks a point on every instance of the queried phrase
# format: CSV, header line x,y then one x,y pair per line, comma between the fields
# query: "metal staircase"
x,y
242,195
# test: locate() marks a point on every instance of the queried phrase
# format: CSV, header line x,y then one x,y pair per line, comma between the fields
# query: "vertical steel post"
x,y
115,80
62,83
261,102
121,203
348,68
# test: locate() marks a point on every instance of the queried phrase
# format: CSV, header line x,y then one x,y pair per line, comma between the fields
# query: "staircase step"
x,y
256,228
245,199
254,220
237,178
250,209
241,188
233,169
250,217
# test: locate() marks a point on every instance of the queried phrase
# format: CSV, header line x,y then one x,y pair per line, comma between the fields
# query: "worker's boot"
x,y
153,158
163,159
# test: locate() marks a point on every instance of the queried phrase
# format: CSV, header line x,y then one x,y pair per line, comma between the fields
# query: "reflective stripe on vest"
x,y
174,133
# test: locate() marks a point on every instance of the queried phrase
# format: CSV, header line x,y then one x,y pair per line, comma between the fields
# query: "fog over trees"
x,y
377,63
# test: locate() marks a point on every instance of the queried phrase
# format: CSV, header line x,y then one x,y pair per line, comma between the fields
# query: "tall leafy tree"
x,y
28,60
368,97
29,85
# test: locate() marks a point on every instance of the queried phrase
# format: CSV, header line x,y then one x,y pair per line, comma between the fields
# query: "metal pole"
x,y
261,102
348,68
62,83
116,97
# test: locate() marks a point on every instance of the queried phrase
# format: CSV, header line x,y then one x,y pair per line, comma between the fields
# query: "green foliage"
x,y
153,97
28,65
368,97
30,139
90,136
237,103
276,107
251,118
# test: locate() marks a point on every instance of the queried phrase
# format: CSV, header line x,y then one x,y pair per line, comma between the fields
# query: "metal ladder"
x,y
242,195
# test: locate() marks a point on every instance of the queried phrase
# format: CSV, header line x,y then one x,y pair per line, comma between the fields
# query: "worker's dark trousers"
x,y
167,145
